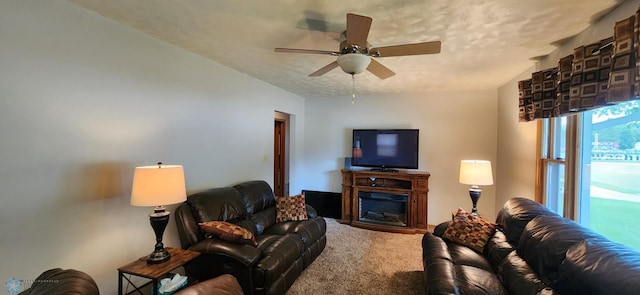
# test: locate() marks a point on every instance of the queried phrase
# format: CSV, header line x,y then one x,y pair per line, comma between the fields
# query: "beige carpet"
x,y
360,261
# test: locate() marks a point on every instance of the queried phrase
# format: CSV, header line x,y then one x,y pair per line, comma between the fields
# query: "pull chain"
x,y
353,89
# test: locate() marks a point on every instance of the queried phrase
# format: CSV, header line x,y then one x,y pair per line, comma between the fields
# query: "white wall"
x,y
453,126
516,171
517,141
83,100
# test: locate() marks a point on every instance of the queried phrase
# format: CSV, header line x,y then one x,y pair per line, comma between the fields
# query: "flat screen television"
x,y
385,148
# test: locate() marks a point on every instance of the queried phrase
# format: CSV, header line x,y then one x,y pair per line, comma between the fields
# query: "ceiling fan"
x,y
355,54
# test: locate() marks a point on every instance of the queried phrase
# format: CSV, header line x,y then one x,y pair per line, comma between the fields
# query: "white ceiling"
x,y
485,43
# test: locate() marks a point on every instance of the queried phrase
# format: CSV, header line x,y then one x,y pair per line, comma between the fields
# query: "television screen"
x,y
385,148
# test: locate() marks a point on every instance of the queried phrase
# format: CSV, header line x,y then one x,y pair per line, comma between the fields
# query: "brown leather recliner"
x,y
62,281
284,249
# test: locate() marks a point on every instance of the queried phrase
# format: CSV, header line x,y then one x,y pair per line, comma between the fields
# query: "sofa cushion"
x,y
228,232
217,204
309,230
516,213
457,271
478,281
545,241
263,219
469,230
463,255
599,267
518,277
497,249
291,208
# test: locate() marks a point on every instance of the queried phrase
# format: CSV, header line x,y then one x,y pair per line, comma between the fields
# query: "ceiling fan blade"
x,y
325,69
358,29
312,51
379,70
407,49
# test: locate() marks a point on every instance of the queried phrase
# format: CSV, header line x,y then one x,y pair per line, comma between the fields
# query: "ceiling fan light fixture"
x,y
353,63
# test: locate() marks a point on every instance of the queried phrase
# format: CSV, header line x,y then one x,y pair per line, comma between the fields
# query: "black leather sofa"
x,y
283,249
533,251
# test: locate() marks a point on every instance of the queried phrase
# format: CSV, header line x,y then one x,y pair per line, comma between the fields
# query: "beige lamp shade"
x,y
476,172
158,185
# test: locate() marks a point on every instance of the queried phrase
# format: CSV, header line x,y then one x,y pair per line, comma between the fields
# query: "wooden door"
x,y
279,157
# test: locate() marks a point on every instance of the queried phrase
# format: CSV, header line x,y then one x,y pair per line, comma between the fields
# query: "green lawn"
x,y
616,218
623,177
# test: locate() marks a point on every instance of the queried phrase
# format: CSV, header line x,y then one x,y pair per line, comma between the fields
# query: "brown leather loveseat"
x,y
282,249
533,251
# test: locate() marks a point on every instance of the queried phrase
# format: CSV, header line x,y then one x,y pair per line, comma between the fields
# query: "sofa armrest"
x,y
311,212
497,248
439,270
188,229
518,277
245,254
439,230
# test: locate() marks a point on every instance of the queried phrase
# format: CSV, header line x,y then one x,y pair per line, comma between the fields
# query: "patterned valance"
x,y
595,75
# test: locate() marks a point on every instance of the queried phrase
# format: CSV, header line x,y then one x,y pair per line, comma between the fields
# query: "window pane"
x,y
610,170
560,139
555,187
545,138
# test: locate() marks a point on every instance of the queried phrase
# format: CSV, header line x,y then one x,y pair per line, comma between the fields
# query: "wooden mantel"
x,y
415,184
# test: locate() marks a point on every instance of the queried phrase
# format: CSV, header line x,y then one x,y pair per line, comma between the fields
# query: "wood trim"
x,y
539,189
279,152
571,167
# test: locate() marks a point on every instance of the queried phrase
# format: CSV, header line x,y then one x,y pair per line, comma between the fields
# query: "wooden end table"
x,y
154,272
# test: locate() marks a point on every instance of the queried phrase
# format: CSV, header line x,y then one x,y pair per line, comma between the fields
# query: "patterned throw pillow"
x,y
228,232
291,208
469,230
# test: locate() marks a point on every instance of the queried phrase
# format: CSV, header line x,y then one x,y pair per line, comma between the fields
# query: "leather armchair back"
x,y
257,195
260,203
224,204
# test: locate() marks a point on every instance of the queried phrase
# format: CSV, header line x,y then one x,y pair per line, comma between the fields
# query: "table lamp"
x,y
475,173
158,186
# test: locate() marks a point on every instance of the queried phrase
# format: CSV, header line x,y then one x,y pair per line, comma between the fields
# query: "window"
x,y
553,162
590,169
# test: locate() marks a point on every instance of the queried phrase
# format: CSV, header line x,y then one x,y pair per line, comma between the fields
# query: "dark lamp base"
x,y
474,193
158,256
159,220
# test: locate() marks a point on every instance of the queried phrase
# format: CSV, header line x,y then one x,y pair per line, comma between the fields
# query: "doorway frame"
x,y
281,157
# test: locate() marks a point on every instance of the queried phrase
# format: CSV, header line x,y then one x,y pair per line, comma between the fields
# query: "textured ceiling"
x,y
485,43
